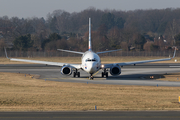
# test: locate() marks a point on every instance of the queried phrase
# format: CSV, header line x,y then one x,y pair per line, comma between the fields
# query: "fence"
x,y
65,54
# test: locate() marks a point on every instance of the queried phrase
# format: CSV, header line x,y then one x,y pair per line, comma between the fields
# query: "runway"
x,y
89,115
131,75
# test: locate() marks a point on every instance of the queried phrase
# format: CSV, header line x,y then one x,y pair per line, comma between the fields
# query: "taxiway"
x,y
131,75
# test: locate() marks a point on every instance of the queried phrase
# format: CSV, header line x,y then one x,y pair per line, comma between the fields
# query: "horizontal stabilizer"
x,y
108,51
71,51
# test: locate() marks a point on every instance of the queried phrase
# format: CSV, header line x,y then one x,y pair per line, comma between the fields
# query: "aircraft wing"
x,y
134,62
77,66
138,62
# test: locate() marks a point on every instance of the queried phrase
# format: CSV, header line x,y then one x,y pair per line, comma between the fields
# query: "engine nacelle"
x,y
115,70
66,70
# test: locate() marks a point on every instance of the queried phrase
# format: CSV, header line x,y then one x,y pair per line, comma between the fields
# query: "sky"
x,y
40,8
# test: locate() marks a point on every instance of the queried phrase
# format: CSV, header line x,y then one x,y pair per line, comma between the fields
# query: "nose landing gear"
x,y
91,77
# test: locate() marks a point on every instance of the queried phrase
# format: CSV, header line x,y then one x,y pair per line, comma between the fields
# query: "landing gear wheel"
x,y
78,74
74,74
91,77
102,74
106,74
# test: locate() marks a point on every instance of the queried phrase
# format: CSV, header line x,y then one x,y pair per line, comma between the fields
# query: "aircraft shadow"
x,y
125,77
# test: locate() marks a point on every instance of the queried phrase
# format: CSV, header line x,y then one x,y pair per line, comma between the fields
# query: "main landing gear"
x,y
76,73
105,73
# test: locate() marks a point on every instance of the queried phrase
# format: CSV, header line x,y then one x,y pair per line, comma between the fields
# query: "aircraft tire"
x,y
102,74
74,74
106,74
78,74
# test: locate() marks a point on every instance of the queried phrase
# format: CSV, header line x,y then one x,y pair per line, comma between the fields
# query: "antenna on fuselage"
x,y
90,48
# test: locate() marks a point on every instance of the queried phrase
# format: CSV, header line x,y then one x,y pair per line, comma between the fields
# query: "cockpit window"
x,y
94,59
88,60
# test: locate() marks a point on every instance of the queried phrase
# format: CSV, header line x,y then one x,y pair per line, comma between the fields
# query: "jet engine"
x,y
66,70
115,70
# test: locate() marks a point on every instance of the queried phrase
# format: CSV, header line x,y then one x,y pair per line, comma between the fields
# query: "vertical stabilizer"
x,y
90,34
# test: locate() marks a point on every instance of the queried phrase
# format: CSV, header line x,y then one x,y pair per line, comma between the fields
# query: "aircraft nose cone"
x,y
92,68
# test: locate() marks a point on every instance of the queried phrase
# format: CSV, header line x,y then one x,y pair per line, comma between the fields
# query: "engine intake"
x,y
66,70
115,70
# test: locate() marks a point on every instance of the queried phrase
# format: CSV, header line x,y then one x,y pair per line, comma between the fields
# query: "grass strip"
x,y
24,93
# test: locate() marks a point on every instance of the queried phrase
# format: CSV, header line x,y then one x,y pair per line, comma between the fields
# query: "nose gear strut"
x,y
91,77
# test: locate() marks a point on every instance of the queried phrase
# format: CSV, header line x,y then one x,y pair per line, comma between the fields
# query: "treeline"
x,y
139,30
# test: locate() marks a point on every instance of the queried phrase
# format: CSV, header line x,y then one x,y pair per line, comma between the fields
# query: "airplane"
x,y
90,62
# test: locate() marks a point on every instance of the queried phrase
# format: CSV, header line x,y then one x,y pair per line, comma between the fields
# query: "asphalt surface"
x,y
92,115
131,75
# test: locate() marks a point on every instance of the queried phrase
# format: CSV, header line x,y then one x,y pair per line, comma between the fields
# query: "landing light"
x,y
102,66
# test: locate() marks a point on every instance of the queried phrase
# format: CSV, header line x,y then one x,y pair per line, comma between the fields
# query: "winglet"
x,y
174,53
6,53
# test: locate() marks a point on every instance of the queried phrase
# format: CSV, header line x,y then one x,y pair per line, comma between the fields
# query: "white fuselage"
x,y
91,62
